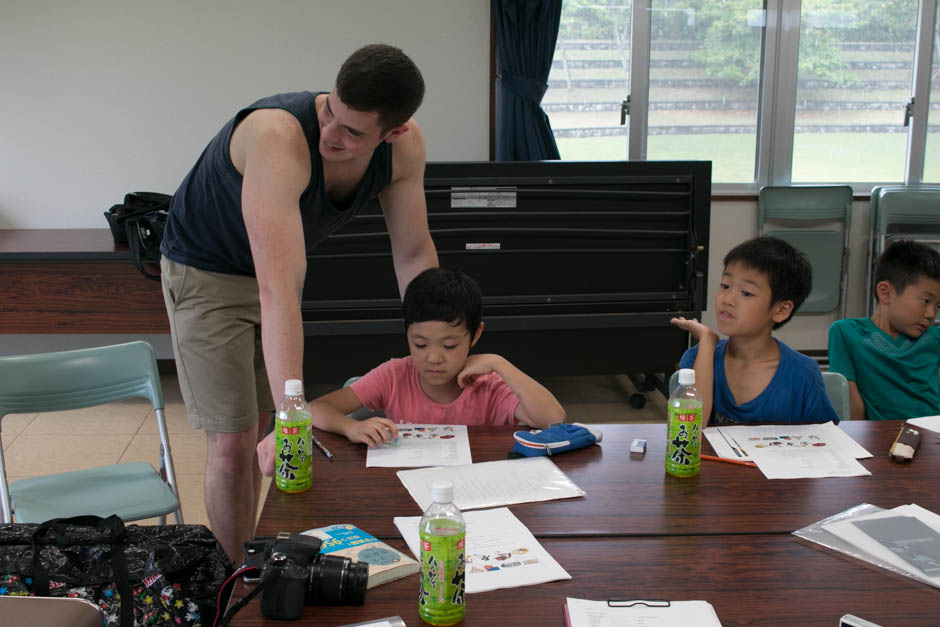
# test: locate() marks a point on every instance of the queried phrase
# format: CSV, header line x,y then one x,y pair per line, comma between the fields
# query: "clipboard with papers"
x,y
647,612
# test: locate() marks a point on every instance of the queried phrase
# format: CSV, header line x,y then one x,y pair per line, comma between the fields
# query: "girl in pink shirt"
x,y
440,382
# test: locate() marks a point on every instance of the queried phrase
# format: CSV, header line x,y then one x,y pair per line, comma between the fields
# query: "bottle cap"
x,y
293,387
442,491
686,376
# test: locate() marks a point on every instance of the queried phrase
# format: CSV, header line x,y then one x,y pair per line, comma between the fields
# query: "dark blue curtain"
x,y
526,31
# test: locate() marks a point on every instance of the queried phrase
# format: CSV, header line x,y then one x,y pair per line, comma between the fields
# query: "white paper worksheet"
x,y
501,551
791,451
423,445
931,423
492,484
584,613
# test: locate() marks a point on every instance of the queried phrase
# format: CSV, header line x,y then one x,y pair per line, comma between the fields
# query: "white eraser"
x,y
638,446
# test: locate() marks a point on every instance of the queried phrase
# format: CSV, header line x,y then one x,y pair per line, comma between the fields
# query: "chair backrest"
x,y
78,378
826,249
837,389
816,203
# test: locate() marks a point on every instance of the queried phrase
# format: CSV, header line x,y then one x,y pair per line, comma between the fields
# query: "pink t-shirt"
x,y
394,388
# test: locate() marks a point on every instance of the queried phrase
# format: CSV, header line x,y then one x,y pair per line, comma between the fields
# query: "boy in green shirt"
x,y
891,359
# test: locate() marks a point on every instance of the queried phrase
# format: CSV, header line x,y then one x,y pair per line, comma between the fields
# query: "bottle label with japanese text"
x,y
442,594
684,441
293,465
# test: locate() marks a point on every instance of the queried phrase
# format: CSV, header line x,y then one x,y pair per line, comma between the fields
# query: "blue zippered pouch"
x,y
558,438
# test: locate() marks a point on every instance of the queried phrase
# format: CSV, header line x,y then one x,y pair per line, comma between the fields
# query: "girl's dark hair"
x,y
905,262
444,295
788,271
383,79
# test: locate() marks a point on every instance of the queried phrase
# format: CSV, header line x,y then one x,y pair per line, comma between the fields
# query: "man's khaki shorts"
x,y
215,320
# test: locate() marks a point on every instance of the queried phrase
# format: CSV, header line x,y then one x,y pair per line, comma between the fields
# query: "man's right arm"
x,y
704,365
275,164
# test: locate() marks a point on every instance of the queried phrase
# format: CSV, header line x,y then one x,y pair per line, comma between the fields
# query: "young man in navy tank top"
x,y
280,176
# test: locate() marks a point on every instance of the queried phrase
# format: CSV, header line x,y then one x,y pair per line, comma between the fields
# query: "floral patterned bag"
x,y
173,573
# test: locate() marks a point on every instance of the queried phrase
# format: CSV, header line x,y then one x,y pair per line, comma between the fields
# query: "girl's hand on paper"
x,y
373,432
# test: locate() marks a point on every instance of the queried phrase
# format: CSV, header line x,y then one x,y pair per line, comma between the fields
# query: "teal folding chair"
x,y
900,212
837,389
827,249
83,378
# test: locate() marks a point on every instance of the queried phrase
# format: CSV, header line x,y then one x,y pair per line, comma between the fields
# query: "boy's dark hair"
x,y
788,270
384,79
905,262
445,295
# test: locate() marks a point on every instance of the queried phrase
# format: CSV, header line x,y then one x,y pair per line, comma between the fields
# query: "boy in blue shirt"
x,y
891,359
753,378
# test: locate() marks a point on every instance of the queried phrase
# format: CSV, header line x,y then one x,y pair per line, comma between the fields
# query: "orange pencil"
x,y
729,461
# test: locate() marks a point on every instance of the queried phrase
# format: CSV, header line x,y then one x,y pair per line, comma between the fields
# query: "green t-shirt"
x,y
896,377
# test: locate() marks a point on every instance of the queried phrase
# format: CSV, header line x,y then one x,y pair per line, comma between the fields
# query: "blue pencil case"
x,y
558,438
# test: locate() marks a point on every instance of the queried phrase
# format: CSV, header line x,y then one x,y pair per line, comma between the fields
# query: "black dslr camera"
x,y
294,573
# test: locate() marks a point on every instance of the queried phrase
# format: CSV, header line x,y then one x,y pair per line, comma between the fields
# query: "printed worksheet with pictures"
x,y
501,551
423,445
791,451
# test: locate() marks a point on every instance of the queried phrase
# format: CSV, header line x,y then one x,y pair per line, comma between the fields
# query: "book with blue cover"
x,y
386,563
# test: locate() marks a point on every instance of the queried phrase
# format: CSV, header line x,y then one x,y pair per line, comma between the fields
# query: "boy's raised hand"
x,y
373,432
695,328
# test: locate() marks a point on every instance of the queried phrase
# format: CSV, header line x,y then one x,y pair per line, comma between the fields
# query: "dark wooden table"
x,y
627,494
766,579
74,281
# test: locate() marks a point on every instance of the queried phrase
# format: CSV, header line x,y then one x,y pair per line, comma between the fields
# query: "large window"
x,y
932,154
770,91
856,63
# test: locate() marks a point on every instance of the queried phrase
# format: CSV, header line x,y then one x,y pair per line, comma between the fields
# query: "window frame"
x,y
777,94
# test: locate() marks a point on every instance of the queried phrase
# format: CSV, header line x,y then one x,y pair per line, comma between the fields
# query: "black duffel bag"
x,y
139,222
173,573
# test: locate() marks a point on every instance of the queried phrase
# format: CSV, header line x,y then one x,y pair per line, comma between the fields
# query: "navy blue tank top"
x,y
206,228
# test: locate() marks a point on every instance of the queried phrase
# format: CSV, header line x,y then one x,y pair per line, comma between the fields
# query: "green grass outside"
x,y
817,157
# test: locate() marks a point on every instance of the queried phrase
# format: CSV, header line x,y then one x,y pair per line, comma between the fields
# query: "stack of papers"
x,y
905,539
501,551
791,451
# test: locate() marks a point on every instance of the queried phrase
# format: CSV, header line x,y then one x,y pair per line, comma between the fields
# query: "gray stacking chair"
x,y
827,249
83,378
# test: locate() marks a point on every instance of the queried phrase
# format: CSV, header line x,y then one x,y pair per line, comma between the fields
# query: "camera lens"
x,y
336,580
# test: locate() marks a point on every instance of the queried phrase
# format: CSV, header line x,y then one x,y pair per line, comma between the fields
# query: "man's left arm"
x,y
405,209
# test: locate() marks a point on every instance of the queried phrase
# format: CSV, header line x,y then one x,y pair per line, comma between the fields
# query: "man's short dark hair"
x,y
383,79
788,270
905,262
443,295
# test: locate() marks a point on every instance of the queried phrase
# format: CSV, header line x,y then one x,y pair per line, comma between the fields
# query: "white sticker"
x,y
482,246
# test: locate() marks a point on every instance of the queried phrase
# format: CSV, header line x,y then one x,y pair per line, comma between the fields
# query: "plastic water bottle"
x,y
442,597
293,445
684,427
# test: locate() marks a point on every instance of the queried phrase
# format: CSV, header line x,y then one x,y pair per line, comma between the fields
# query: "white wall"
x,y
102,97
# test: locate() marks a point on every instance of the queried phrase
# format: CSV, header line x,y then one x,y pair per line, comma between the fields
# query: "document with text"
x,y
639,613
423,445
501,552
492,484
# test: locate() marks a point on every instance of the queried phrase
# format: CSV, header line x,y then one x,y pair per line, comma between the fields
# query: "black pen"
x,y
322,448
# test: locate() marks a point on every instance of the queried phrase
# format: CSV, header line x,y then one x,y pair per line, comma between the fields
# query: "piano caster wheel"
x,y
637,401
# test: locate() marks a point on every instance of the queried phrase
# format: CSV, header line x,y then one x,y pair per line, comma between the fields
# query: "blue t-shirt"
x,y
795,394
896,376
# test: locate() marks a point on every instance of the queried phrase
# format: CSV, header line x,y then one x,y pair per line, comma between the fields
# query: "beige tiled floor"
x,y
126,431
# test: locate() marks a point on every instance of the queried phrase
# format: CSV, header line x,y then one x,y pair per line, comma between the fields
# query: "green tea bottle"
x,y
684,427
293,462
442,596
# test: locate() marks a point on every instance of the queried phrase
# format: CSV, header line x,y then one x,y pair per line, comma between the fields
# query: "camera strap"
x,y
242,602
